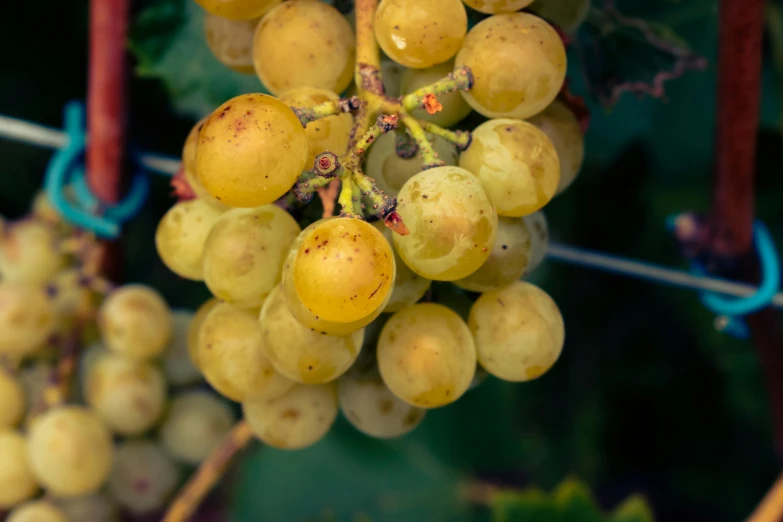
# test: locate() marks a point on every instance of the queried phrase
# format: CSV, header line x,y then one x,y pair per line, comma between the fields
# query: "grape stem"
x,y
208,473
428,154
461,79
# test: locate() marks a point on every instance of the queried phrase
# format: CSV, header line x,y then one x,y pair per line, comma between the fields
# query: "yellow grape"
x,y
392,72
567,14
195,326
12,400
17,483
180,370
420,34
237,9
507,260
499,6
143,476
518,63
70,450
72,298
231,41
451,220
298,419
26,318
517,164
455,108
97,507
304,43
135,322
37,511
244,253
561,126
390,171
29,252
250,151
409,286
129,395
519,332
374,410
87,358
301,353
189,168
196,422
42,208
181,235
34,380
426,355
331,133
232,357
342,269
539,239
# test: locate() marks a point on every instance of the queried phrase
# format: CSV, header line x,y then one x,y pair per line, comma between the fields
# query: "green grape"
x,y
390,171
517,164
72,299
129,395
195,326
181,235
12,400
301,353
26,318
70,451
451,220
409,286
568,15
238,9
426,355
37,511
135,321
196,422
539,239
507,260
347,251
29,252
498,6
34,380
374,410
455,108
304,43
177,364
250,151
518,63
420,34
298,419
143,476
519,332
561,126
231,41
189,168
392,72
232,356
17,483
244,253
331,133
97,507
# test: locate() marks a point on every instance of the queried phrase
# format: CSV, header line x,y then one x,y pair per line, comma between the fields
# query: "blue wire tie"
x,y
83,209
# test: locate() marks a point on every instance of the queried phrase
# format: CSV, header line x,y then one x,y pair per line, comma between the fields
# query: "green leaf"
x,y
633,509
575,503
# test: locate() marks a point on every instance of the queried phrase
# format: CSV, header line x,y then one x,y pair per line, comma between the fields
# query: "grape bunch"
x,y
440,155
120,441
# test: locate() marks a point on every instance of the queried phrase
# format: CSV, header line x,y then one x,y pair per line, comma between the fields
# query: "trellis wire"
x,y
34,134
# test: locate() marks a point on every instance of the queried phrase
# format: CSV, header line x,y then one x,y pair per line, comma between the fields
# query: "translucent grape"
x,y
12,400
37,511
347,251
143,476
189,168
97,507
451,220
129,395
507,260
517,164
29,252
373,409
182,234
304,43
26,318
331,133
455,108
250,151
135,322
194,425
409,286
301,353
70,450
539,239
298,419
390,171
232,357
177,364
498,6
519,332
518,63
420,34
567,14
195,326
231,41
561,126
426,355
238,9
17,483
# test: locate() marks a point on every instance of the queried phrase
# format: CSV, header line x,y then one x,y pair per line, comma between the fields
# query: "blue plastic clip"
x,y
67,169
